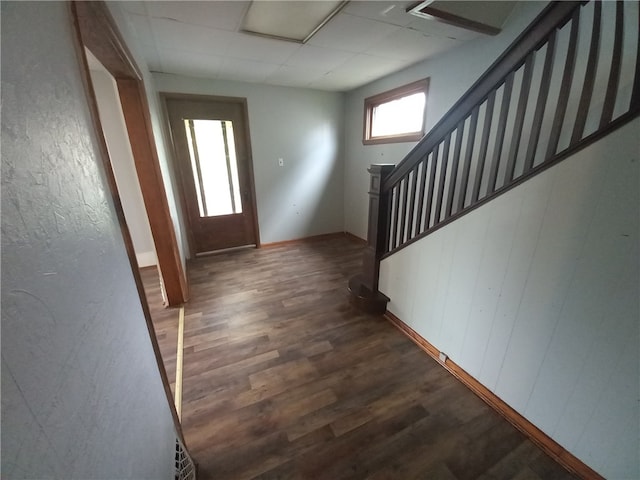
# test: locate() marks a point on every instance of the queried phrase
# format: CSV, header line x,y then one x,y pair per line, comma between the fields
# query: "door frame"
x,y
95,29
164,96
98,32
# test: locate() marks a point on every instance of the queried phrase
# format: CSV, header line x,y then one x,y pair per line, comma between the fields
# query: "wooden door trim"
x,y
242,101
179,179
95,29
137,118
98,32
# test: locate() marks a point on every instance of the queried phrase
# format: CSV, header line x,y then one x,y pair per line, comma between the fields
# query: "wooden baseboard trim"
x,y
537,436
313,238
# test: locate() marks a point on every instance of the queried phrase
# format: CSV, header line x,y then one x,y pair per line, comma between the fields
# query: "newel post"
x,y
364,287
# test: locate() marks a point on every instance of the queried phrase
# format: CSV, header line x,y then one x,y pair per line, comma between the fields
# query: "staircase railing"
x,y
570,78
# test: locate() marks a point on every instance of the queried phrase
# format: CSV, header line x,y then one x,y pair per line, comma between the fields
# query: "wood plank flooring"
x,y
165,322
283,379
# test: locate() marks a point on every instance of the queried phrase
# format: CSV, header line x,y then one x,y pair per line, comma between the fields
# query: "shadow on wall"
x,y
309,189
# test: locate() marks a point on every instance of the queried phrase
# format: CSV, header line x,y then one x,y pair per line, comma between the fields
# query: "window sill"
x,y
413,137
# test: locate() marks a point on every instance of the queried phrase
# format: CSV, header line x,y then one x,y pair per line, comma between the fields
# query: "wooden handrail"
x,y
515,124
461,178
552,17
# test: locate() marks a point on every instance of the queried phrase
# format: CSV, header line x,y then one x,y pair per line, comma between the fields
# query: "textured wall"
x,y
536,295
81,392
302,126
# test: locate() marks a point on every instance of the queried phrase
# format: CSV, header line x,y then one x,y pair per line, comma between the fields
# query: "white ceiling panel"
x,y
363,42
246,70
374,66
212,14
411,45
295,76
253,47
350,33
293,20
170,34
192,64
382,11
340,81
435,28
318,57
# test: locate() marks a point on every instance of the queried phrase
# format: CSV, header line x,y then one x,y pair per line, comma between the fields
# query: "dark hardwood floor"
x,y
165,322
283,379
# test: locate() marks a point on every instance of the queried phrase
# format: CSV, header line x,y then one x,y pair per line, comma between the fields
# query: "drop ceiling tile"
x,y
351,33
411,45
213,14
294,76
288,19
368,66
188,63
252,47
246,70
383,11
340,81
191,38
365,41
318,57
438,29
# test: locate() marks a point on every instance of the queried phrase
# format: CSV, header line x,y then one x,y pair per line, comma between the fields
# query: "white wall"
x,y
155,112
536,296
451,74
302,126
81,392
117,138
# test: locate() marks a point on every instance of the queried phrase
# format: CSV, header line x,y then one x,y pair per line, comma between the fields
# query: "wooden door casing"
x,y
208,234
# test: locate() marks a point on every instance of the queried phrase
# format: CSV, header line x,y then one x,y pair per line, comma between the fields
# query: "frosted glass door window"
x,y
214,166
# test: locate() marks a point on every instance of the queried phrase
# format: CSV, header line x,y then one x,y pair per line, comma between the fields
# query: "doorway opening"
x,y
122,163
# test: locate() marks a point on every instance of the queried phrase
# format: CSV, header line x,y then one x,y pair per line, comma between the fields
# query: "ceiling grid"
x,y
364,41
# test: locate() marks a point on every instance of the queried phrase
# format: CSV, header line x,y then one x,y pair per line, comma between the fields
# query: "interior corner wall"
x,y
304,127
535,295
82,396
124,170
451,74
159,132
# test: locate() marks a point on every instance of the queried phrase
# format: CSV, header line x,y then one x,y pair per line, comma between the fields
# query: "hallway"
x,y
283,379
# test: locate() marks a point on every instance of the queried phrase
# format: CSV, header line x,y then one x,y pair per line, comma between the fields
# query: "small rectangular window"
x,y
397,115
